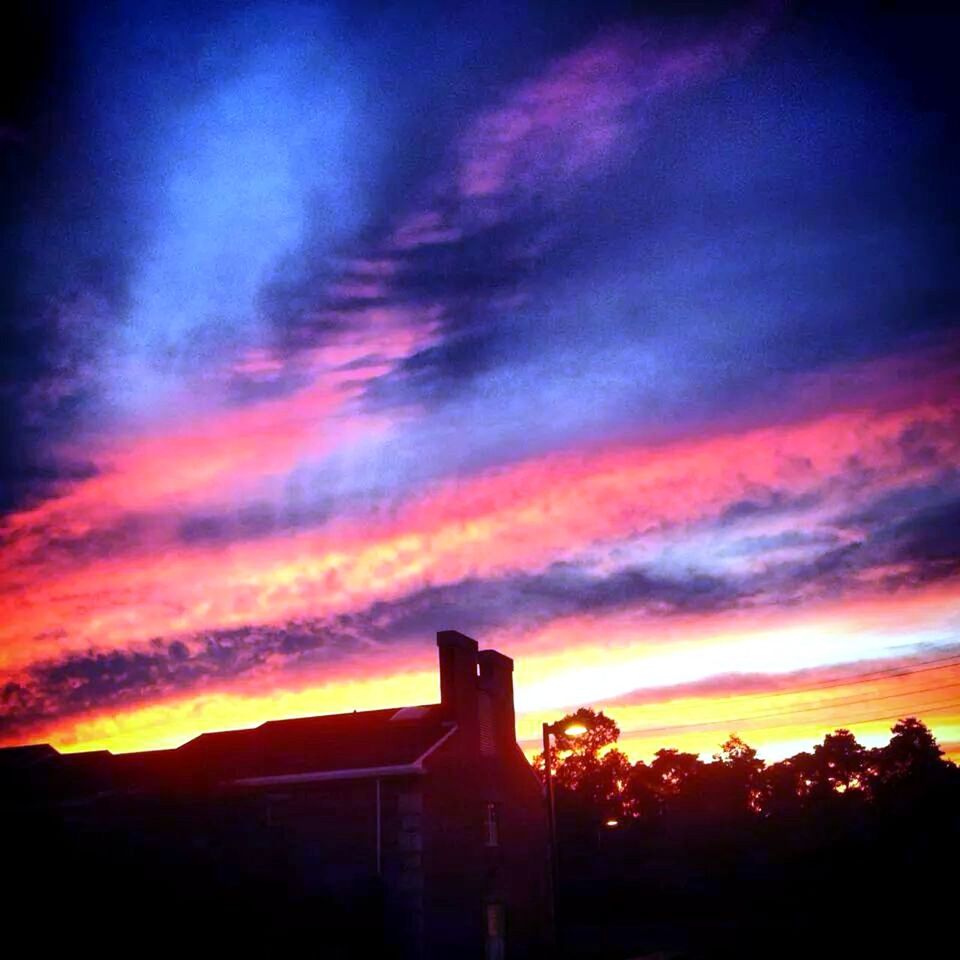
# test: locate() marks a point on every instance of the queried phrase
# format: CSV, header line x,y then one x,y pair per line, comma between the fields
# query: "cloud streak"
x,y
623,361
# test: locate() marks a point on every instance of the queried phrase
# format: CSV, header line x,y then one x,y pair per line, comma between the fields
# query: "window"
x,y
492,825
496,940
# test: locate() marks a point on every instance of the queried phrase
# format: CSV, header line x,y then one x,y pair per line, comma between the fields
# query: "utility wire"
x,y
821,706
887,716
925,666
942,664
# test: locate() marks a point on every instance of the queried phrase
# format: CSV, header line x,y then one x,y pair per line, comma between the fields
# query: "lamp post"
x,y
570,730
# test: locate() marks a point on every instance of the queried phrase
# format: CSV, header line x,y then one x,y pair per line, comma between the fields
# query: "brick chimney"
x,y
496,680
458,678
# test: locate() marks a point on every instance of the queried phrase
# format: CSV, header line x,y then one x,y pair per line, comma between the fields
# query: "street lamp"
x,y
570,730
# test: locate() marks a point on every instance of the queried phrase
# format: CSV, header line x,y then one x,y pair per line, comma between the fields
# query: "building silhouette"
x,y
413,832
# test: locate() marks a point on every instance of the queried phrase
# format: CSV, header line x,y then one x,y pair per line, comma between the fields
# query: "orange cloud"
x,y
773,700
520,517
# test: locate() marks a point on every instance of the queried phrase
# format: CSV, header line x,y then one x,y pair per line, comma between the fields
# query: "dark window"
x,y
492,825
496,939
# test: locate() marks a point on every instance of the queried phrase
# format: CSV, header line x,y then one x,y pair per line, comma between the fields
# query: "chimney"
x,y
496,679
458,678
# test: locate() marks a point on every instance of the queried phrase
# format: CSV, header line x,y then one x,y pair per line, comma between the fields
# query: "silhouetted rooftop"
x,y
346,741
355,742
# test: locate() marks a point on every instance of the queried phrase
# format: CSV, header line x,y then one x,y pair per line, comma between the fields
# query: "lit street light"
x,y
571,730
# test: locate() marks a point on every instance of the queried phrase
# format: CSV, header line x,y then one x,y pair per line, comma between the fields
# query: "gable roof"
x,y
339,743
337,746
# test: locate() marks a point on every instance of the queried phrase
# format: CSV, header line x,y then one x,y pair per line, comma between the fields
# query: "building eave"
x,y
318,776
414,769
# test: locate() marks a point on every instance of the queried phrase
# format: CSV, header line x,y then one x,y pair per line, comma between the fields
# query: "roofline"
x,y
357,773
360,773
423,756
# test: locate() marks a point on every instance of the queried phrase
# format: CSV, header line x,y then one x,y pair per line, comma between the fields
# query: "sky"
x,y
622,337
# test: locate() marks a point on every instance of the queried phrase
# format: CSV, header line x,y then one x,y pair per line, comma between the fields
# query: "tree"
x,y
601,732
670,782
912,754
786,786
839,764
732,784
641,798
589,774
675,770
736,753
603,783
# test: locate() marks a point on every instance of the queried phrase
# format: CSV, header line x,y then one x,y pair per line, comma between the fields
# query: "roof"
x,y
338,746
373,739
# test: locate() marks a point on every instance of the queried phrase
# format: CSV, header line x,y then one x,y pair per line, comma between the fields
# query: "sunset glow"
x,y
609,356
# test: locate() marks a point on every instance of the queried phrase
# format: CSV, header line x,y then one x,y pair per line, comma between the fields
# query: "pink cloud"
x,y
424,228
557,130
521,517
584,111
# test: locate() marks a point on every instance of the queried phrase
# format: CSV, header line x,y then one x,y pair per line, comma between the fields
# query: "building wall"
x,y
517,869
437,874
463,876
330,833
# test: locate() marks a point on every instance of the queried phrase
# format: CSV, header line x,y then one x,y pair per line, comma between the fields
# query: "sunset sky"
x,y
621,337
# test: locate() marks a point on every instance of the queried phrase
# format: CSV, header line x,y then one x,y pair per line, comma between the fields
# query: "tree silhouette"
x,y
665,786
590,776
731,784
786,786
839,764
599,780
601,732
675,770
700,839
912,752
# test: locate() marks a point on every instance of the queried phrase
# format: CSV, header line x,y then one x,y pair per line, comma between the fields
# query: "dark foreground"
x,y
838,853
850,880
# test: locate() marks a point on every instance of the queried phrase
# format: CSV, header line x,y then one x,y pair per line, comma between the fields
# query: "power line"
x,y
887,716
781,726
853,702
826,705
943,663
926,666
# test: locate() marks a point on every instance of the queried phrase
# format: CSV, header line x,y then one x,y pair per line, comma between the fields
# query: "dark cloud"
x,y
908,538
766,502
113,679
672,255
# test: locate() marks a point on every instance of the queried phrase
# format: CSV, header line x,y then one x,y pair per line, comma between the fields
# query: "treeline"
x,y
837,851
597,780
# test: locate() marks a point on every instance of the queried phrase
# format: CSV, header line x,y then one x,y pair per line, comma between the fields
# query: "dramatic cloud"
x,y
624,342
